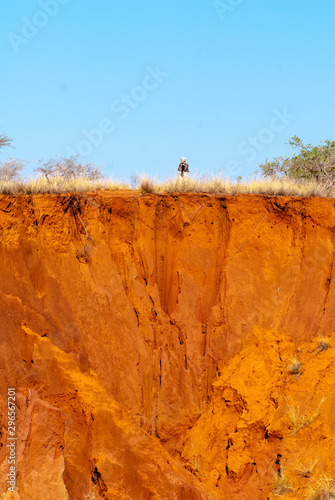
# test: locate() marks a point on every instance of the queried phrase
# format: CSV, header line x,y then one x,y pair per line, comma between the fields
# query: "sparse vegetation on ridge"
x,y
10,171
69,169
218,185
214,185
309,173
147,185
61,175
312,162
59,184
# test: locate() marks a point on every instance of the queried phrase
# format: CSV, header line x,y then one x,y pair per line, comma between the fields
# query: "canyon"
x,y
149,340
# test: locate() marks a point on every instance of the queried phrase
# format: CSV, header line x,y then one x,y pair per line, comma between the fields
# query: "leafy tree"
x,y
310,162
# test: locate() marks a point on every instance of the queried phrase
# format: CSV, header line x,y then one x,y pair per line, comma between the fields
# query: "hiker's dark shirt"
x,y
183,167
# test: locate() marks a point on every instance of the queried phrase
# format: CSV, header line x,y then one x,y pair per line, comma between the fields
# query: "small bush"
x,y
147,185
322,489
306,470
299,421
10,170
68,169
323,345
282,485
294,366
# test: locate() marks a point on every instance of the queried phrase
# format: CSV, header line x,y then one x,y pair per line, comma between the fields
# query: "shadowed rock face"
x,y
148,339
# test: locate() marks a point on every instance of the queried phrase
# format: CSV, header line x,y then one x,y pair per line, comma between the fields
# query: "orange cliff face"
x,y
148,340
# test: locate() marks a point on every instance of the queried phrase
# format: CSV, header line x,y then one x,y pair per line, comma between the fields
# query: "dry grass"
x,y
90,495
211,185
147,185
220,185
306,469
322,489
294,366
58,184
299,421
282,485
323,345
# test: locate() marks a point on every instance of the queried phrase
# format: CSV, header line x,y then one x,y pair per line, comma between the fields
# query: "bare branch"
x,y
10,170
4,141
69,168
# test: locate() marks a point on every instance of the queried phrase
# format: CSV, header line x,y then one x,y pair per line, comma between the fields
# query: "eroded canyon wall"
x,y
148,339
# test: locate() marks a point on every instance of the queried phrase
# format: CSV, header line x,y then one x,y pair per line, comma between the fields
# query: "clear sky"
x,y
133,85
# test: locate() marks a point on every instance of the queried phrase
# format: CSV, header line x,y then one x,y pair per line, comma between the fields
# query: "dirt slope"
x,y
151,362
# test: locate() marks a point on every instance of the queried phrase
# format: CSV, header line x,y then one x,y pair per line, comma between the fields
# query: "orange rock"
x,y
148,339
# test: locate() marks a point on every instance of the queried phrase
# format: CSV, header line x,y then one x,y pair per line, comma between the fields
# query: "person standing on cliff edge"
x,y
183,167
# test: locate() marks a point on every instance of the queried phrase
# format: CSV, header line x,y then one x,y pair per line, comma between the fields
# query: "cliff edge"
x,y
167,347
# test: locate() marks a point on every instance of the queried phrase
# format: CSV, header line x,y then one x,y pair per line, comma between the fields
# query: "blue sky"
x,y
133,85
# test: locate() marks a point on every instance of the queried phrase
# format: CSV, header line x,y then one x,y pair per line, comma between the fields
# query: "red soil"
x,y
152,363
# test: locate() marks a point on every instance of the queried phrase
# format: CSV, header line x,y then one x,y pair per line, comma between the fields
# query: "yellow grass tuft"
x,y
282,485
322,489
306,469
323,345
294,366
147,185
299,421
